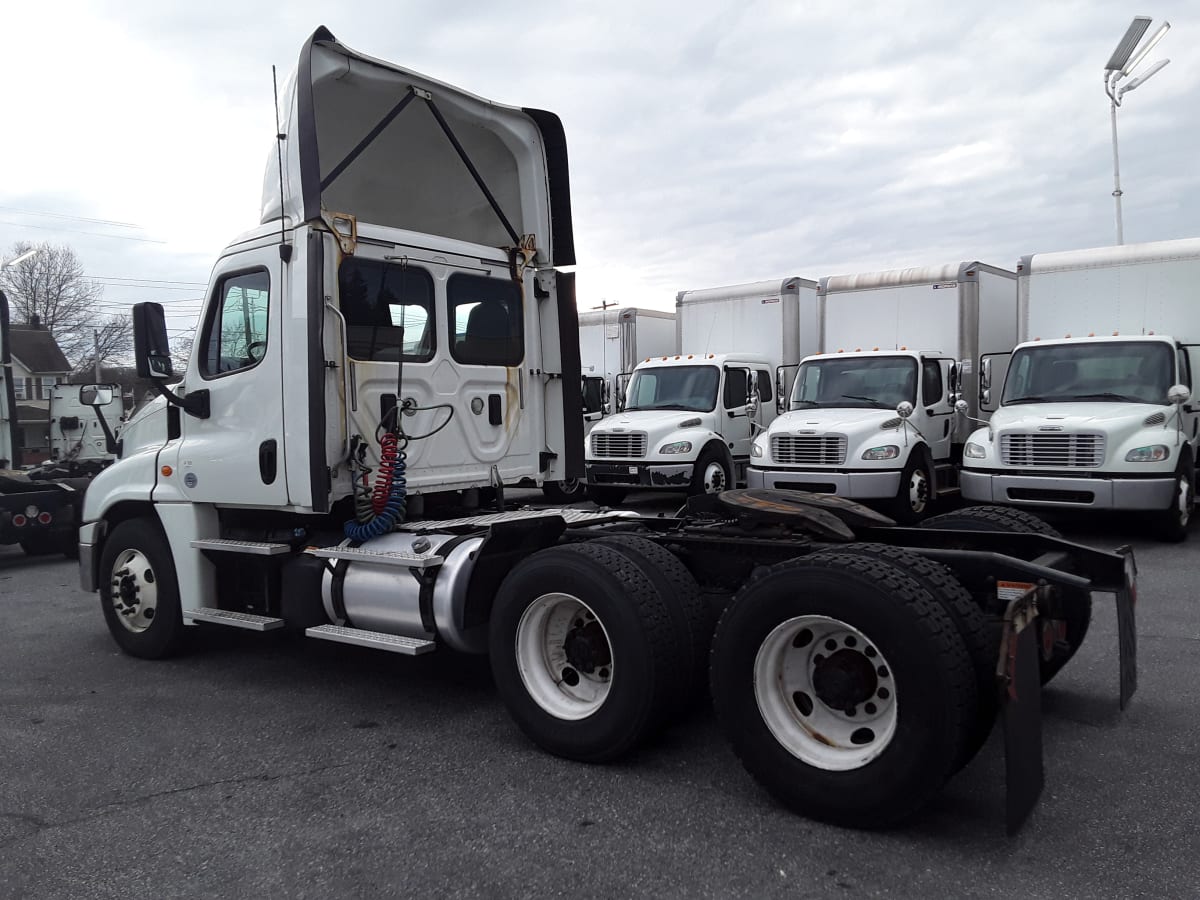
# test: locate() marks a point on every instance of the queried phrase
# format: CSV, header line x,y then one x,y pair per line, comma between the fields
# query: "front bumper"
x,y
854,485
1049,490
89,540
640,474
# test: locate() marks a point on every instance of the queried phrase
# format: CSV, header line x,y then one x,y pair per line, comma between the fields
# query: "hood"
x,y
819,421
1075,416
652,420
369,139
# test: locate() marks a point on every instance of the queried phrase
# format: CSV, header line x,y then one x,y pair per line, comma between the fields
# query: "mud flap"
x,y
1127,627
1021,702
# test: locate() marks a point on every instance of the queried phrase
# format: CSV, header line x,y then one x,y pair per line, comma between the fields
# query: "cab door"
x,y
936,411
235,455
736,419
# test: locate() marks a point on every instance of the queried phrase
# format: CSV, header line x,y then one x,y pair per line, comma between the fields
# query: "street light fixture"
x,y
1123,61
16,259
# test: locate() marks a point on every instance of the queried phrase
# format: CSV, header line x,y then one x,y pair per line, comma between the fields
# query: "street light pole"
x,y
1122,62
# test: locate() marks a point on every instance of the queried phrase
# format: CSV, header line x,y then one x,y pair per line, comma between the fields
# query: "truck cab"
x,y
687,424
1091,423
868,425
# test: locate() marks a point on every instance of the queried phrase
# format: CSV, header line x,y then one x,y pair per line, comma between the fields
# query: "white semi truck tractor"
x,y
1097,407
873,418
393,344
687,418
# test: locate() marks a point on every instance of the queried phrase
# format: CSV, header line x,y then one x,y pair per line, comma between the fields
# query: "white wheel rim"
x,y
559,638
1185,505
801,717
714,478
134,590
918,491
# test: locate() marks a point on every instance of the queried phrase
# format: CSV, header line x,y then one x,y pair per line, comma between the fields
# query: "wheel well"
x,y
720,447
114,516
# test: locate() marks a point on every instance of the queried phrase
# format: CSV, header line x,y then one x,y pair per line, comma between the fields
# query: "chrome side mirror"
x,y
1178,394
904,409
962,407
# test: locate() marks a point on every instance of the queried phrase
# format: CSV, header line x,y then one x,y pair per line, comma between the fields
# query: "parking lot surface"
x,y
269,765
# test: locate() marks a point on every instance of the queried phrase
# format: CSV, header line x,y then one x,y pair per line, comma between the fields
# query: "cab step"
x,y
377,557
249,621
254,548
379,640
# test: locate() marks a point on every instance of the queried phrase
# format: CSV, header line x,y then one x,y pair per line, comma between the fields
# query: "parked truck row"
x,y
1078,367
397,340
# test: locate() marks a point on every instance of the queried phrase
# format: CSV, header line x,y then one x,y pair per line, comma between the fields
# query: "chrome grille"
x,y
1053,450
804,449
619,445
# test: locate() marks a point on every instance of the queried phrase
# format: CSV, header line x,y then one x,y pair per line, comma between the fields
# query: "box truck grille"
x,y
1059,451
630,445
800,450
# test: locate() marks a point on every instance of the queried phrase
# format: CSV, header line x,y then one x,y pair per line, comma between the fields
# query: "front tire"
x,y
584,651
711,474
1172,523
914,497
139,593
844,687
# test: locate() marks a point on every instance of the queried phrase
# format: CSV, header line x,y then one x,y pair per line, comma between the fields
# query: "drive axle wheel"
x,y
585,651
844,687
138,590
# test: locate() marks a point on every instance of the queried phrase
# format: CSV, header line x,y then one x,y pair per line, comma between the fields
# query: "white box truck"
x,y
425,331
613,341
873,417
737,348
1095,405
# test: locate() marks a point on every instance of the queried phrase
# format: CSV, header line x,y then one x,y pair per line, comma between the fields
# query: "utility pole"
x,y
96,351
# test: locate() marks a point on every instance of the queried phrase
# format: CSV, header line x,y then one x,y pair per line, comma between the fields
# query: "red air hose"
x,y
388,454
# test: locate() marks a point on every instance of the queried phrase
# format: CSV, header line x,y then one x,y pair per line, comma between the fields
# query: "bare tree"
x,y
51,285
181,351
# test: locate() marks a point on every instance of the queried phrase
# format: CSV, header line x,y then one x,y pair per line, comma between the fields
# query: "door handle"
x,y
268,460
495,411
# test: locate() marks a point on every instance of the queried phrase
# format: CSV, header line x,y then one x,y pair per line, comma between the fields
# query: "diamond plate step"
x,y
377,639
376,557
249,621
255,548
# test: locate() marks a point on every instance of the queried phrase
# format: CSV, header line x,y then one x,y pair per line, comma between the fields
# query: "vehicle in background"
x,y
738,348
873,418
79,445
1095,406
362,377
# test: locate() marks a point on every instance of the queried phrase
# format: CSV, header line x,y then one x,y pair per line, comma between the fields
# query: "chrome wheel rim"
x,y
918,491
564,656
714,478
134,590
825,692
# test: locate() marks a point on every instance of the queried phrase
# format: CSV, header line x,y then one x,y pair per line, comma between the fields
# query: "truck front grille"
x,y
622,445
817,449
1055,451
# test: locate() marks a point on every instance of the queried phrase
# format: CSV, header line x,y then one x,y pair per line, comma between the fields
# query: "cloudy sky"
x,y
709,143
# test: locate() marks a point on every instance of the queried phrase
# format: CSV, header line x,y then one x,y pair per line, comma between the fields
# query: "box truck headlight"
x,y
756,450
1153,453
974,451
676,447
888,451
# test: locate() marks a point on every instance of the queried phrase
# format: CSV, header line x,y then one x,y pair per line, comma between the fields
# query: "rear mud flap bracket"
x,y
1021,704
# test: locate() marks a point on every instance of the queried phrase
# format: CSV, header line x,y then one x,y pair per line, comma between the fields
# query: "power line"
x,y
117,237
50,215
155,280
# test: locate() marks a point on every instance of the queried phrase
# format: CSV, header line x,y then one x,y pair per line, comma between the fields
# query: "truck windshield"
x,y
1133,372
877,382
674,387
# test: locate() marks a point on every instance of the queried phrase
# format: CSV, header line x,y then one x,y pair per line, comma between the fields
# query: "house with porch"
x,y
38,364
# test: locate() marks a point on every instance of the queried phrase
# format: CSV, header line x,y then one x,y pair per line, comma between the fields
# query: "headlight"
x,y
888,451
1153,453
676,447
756,450
974,451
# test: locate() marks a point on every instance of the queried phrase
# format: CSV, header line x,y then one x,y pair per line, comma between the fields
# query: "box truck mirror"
x,y
985,396
1178,394
962,407
904,409
985,374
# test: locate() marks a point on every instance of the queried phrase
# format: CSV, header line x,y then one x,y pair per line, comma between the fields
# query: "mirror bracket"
x,y
194,404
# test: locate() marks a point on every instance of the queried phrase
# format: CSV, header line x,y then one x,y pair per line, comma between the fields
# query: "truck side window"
x,y
736,384
235,335
931,382
388,309
1185,370
487,321
764,386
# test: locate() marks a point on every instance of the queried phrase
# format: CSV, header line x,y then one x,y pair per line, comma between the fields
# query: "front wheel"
x,y
844,687
139,593
914,496
711,474
1172,523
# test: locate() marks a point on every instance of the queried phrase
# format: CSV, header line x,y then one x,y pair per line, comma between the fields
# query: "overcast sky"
x,y
709,143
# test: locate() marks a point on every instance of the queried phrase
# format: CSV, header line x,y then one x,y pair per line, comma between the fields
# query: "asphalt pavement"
x,y
274,766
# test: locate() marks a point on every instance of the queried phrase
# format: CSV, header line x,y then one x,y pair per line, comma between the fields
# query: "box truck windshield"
x,y
1133,372
856,382
675,387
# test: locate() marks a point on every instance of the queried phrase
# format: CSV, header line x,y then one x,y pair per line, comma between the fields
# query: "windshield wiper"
x,y
1108,395
878,403
1030,399
660,406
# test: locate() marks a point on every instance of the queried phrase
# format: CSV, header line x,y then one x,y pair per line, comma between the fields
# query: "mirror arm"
x,y
194,404
110,439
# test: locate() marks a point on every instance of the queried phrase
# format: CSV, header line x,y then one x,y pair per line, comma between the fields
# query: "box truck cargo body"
x,y
613,341
689,426
873,417
1095,406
